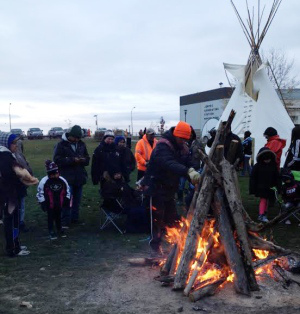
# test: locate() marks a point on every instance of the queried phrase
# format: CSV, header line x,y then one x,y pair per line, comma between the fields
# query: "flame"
x,y
261,254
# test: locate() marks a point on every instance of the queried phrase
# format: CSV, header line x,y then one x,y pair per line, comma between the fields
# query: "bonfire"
x,y
218,242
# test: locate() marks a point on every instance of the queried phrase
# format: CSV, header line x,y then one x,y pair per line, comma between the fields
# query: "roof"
x,y
214,94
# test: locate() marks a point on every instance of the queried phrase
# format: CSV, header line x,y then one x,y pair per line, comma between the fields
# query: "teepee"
x,y
254,99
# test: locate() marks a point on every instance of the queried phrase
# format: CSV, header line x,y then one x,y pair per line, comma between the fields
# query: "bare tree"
x,y
281,69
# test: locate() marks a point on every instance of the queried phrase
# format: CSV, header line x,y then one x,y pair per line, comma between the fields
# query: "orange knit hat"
x,y
182,130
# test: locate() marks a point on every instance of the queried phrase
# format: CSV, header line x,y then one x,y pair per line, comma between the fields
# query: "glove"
x,y
194,176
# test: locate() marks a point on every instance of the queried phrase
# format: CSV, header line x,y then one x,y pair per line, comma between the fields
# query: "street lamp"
x,y
185,112
96,116
9,116
131,121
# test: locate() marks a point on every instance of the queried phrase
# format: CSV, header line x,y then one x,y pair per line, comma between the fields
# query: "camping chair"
x,y
112,216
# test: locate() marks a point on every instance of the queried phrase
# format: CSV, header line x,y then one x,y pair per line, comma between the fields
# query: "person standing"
x,y
143,151
169,161
247,150
12,177
263,177
71,156
274,143
53,194
293,158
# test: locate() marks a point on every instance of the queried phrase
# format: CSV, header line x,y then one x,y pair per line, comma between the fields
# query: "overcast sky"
x,y
64,61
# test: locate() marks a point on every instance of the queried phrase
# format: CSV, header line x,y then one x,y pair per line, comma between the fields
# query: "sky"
x,y
64,61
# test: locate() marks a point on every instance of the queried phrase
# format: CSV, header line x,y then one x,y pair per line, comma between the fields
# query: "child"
x,y
290,191
53,194
263,177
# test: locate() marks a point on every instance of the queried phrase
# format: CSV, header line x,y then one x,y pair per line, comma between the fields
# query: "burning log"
x,y
262,262
189,252
207,290
165,270
234,260
199,263
239,223
258,243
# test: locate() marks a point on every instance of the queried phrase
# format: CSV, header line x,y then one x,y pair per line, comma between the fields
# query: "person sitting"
x,y
127,157
290,191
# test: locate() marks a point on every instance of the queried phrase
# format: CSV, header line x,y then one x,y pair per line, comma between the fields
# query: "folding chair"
x,y
112,217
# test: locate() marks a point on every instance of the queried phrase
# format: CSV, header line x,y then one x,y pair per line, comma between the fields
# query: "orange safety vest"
x,y
143,151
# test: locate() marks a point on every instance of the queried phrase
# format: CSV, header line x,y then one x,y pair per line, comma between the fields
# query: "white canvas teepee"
x,y
254,99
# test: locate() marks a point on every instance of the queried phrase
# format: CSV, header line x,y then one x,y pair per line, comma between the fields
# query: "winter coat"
x,y
264,176
247,146
276,145
53,193
128,161
291,192
106,158
293,158
143,151
167,164
64,156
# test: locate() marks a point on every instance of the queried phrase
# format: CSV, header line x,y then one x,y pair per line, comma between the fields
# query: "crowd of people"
x,y
165,167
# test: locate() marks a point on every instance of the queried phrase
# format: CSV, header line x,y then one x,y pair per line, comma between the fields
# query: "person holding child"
x,y
12,179
53,195
263,177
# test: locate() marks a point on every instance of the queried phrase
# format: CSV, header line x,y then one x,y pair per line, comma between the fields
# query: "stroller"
x,y
120,200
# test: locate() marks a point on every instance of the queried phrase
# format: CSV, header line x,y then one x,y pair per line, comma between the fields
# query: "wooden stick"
x,y
261,244
165,270
211,166
144,261
233,257
199,264
236,206
262,262
207,290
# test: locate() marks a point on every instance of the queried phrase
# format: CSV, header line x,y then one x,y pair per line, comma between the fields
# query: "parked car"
x,y
34,133
18,132
99,133
55,132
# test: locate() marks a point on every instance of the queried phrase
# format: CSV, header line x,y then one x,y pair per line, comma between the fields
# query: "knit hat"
x,y
286,174
76,131
119,139
51,167
150,131
182,130
108,133
270,131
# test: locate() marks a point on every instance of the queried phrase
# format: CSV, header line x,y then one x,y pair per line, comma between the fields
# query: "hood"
x,y
277,139
4,149
4,136
265,152
64,137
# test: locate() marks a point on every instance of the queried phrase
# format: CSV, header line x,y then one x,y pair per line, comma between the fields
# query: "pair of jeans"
x,y
22,210
71,213
54,215
246,167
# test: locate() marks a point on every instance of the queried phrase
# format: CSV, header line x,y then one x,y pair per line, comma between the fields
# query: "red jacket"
x,y
276,145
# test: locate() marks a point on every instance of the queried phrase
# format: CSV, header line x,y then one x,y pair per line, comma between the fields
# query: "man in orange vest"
x,y
143,151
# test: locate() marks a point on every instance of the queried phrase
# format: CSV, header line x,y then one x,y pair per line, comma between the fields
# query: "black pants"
x,y
164,214
11,227
54,215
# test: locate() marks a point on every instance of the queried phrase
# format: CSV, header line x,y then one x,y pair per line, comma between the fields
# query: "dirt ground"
x,y
96,278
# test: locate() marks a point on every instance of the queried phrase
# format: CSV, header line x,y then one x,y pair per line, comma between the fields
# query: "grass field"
x,y
56,276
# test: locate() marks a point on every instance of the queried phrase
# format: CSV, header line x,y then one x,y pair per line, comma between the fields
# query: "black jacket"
x,y
106,158
167,164
264,176
128,161
64,157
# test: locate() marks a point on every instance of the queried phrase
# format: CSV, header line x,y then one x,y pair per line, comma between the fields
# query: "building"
x,y
202,110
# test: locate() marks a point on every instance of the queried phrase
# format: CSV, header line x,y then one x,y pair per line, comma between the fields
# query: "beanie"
x,y
108,133
150,131
270,131
182,130
119,139
51,167
11,138
76,131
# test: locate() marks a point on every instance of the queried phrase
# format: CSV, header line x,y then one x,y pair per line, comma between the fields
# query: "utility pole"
x,y
131,121
9,117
